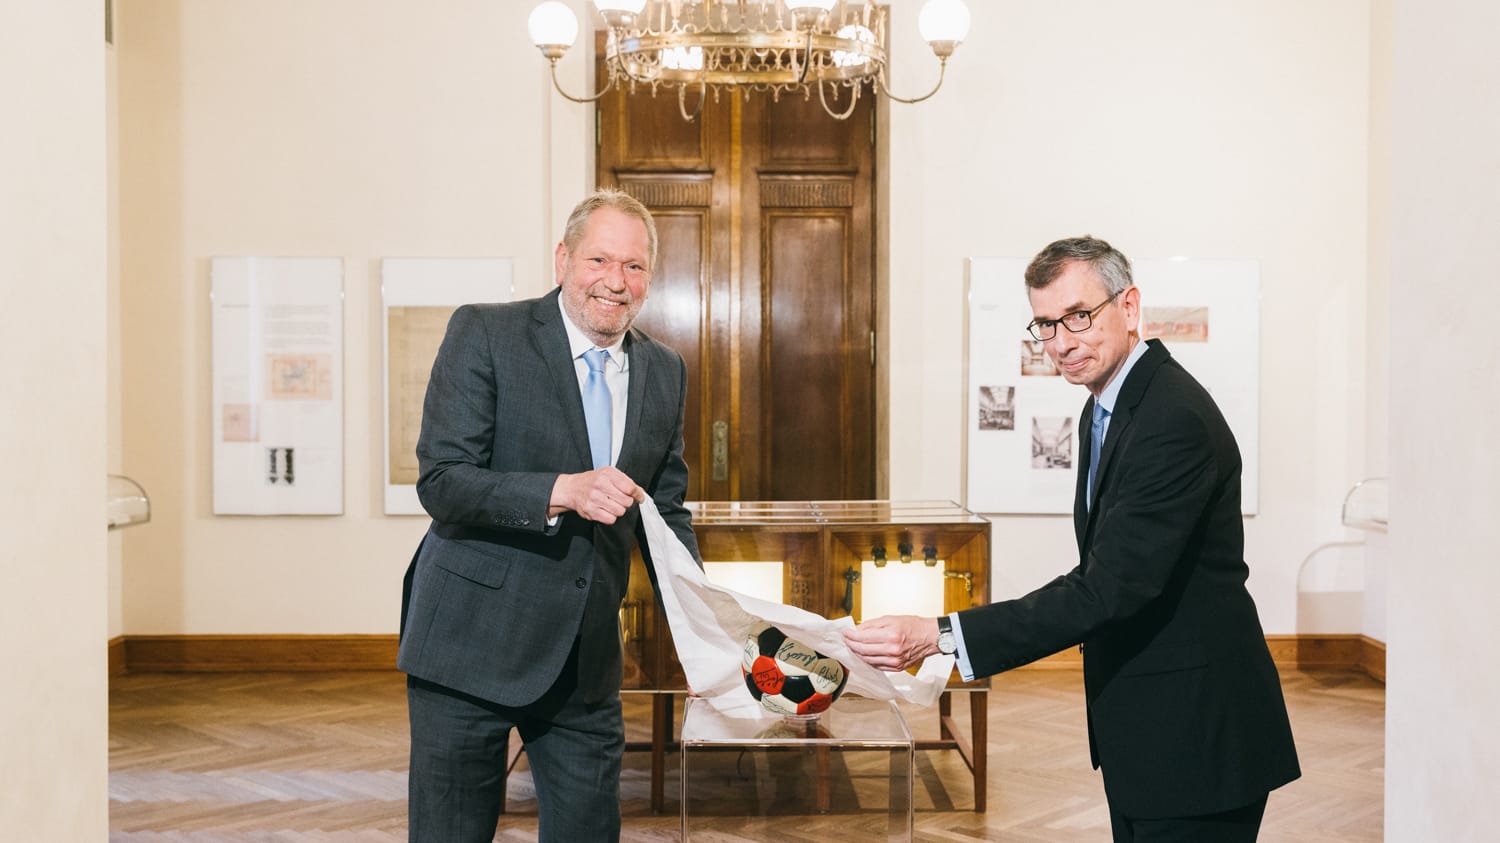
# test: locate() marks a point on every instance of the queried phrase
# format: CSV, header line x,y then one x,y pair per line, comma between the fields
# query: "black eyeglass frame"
x,y
1037,326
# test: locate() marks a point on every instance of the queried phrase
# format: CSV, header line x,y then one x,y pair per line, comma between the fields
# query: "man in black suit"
x,y
1186,717
510,607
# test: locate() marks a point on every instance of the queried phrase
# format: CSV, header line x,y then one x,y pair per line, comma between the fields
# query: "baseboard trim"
x,y
117,656
222,653
1293,652
1372,657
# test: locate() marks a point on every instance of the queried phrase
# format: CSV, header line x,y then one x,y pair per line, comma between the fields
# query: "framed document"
x,y
420,295
278,395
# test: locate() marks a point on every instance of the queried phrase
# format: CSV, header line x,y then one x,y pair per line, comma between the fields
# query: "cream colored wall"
x,y
1171,127
1377,360
342,129
1442,746
115,381
53,704
365,130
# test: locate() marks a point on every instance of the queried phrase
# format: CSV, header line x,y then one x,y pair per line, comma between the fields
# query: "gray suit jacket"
x,y
494,598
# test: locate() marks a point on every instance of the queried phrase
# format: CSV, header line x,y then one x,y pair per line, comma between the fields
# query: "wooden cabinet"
x,y
821,548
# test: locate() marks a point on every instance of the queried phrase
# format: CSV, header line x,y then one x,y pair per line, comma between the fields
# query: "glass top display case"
x,y
835,558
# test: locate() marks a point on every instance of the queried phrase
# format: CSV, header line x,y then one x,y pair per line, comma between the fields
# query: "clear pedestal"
x,y
850,769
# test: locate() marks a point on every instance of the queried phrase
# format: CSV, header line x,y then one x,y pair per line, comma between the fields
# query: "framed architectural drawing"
x,y
420,295
278,394
1022,425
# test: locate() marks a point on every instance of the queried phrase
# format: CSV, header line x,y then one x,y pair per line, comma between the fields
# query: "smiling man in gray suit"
x,y
545,422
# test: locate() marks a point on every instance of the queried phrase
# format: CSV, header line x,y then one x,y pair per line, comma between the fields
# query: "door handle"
x,y
721,451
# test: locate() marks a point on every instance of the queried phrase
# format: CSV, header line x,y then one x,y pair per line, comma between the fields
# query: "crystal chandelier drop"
x,y
777,46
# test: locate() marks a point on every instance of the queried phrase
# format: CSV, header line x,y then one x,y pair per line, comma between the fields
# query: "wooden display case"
x,y
823,549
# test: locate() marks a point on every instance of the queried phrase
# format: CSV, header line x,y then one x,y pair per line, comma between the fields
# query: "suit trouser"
x,y
1241,825
458,742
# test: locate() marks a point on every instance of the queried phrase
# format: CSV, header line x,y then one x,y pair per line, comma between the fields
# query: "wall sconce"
x,y
877,553
904,549
929,555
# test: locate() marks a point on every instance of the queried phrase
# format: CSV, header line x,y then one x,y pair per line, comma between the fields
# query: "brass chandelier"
x,y
776,46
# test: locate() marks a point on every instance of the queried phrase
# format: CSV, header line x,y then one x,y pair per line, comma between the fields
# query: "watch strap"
x,y
947,641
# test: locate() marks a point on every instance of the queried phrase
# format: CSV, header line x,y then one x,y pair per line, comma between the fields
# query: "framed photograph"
x,y
420,295
278,400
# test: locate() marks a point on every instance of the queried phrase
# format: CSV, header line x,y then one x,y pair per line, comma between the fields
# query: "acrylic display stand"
x,y
849,767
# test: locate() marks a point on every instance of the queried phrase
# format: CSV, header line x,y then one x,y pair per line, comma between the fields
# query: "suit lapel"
x,y
1080,509
635,352
1131,393
551,341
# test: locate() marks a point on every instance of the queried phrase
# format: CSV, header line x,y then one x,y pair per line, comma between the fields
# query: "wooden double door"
x,y
763,283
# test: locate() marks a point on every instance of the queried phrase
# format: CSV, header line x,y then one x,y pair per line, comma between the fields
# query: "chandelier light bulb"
x,y
553,28
807,13
945,23
618,9
852,32
682,58
633,7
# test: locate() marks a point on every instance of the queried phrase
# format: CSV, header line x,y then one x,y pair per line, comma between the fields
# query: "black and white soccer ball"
x,y
788,677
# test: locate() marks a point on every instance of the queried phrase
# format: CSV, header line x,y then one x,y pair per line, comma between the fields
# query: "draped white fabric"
x,y
709,625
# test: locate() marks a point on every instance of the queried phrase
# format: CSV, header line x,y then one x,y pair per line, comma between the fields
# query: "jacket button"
x,y
581,582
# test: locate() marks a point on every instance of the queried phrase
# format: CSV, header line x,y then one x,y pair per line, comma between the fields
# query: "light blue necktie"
x,y
597,406
1096,442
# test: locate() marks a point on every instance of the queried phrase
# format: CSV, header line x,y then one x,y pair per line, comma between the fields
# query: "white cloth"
x,y
709,625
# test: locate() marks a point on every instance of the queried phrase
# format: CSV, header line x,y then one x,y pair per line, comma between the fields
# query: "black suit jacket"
x,y
1186,715
494,597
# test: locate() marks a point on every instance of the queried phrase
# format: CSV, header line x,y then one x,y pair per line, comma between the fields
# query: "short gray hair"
x,y
619,201
1112,267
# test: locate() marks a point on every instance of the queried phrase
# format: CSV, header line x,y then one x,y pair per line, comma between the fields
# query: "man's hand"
x,y
602,495
894,642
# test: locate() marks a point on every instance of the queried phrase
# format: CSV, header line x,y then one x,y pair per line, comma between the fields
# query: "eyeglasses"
x,y
1076,322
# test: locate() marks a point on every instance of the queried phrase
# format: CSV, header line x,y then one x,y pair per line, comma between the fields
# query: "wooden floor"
x,y
322,756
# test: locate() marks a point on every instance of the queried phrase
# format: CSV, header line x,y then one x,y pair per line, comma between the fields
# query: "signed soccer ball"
x,y
789,677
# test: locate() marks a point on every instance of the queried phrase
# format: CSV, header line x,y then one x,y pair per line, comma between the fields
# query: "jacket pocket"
x,y
1166,659
486,569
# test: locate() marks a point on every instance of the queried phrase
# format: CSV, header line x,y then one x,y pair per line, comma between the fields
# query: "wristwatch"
x,y
947,643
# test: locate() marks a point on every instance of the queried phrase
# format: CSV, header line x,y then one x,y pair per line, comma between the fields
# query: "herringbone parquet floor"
x,y
322,757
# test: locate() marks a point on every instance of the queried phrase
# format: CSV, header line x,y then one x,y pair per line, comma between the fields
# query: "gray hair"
x,y
1112,267
619,201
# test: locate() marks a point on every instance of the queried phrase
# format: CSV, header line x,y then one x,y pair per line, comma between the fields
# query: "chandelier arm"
x,y
806,59
609,83
885,86
853,101
682,101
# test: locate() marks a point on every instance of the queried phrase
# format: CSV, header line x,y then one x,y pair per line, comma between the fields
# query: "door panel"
x,y
803,350
673,312
764,284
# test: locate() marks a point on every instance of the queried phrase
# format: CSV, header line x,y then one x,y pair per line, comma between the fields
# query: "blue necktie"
x,y
1096,442
597,406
